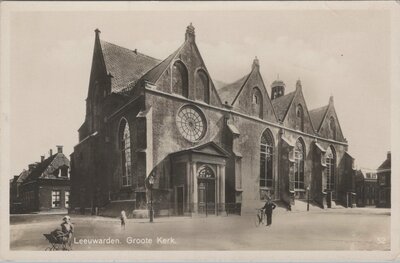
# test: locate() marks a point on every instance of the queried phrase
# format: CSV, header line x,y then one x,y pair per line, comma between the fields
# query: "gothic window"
x,y
125,147
266,155
332,127
206,172
330,169
202,87
191,123
179,79
257,103
299,118
299,154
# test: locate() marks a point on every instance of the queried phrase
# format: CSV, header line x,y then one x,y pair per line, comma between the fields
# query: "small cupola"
x,y
190,36
277,89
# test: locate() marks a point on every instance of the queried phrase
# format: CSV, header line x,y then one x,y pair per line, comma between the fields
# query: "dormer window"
x,y
64,171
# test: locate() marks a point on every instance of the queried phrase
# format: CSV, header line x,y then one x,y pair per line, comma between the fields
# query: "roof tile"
x,y
317,115
125,65
281,105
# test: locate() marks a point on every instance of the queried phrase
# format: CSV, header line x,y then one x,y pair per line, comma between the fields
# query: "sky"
x,y
343,53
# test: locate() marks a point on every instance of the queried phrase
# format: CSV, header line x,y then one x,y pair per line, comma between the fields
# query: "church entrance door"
x,y
206,191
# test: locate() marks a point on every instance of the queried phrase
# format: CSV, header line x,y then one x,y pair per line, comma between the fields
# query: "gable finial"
x,y
331,99
190,36
256,63
298,84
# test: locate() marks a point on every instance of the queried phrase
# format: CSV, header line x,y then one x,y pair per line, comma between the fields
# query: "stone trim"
x,y
243,115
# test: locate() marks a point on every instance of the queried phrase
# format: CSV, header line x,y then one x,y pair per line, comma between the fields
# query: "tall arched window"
x,y
330,161
299,118
257,103
202,87
266,153
299,154
332,127
179,79
125,147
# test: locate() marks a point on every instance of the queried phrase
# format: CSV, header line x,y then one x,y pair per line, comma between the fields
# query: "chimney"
x,y
59,148
189,36
135,51
51,152
389,155
41,158
31,166
256,63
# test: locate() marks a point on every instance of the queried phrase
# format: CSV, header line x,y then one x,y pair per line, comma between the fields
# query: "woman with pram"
x,y
64,236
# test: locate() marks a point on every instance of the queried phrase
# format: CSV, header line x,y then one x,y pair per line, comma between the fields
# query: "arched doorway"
x,y
206,190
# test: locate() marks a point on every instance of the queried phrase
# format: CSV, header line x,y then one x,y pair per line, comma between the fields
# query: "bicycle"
x,y
260,218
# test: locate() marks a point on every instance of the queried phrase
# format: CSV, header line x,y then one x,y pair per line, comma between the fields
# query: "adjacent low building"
x,y
384,182
366,187
44,187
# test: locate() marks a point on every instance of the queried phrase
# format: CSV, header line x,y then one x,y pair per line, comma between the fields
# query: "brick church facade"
x,y
208,145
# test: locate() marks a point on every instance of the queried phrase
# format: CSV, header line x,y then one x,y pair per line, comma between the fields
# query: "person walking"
x,y
123,219
268,208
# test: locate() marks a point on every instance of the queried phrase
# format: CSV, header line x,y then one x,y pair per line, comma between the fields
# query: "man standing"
x,y
268,207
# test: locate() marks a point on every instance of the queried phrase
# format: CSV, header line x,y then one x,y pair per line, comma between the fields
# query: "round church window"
x,y
191,123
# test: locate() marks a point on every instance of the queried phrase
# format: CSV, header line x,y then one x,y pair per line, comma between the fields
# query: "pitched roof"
x,y
206,149
219,84
229,92
22,176
317,115
125,65
155,73
40,168
387,164
281,105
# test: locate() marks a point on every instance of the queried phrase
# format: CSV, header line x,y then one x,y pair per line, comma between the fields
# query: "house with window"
x,y
384,174
366,181
45,186
209,145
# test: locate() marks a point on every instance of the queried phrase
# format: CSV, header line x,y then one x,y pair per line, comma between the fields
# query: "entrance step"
x,y
114,209
301,205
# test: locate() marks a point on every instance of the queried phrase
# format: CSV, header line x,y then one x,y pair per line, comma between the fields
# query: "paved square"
x,y
334,229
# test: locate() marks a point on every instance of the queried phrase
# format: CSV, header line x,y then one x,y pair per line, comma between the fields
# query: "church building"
x,y
208,146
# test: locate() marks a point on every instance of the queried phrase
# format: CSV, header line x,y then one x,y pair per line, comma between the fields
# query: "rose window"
x,y
191,123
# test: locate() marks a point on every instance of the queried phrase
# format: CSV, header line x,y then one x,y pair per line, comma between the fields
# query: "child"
x,y
123,219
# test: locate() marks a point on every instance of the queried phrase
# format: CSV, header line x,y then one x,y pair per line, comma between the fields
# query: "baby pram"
x,y
58,240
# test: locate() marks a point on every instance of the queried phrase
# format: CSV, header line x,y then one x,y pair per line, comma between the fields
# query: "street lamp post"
x,y
308,198
151,183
